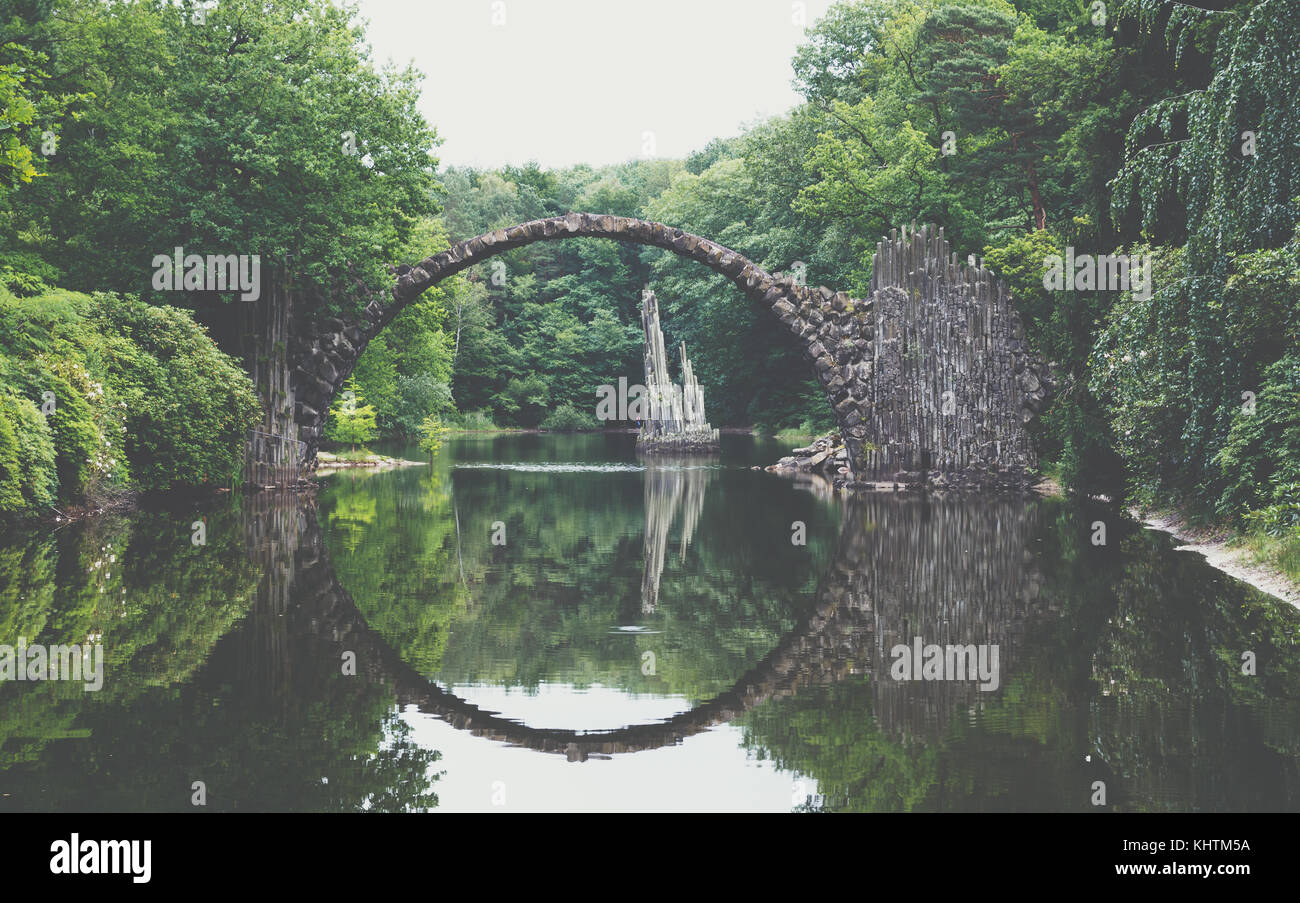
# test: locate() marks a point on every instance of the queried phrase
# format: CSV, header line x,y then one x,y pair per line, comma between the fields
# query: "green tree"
x,y
352,421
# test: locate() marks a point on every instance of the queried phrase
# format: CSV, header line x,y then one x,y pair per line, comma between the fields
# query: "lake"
x,y
546,622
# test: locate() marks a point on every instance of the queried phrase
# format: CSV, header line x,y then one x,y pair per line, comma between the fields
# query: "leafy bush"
x,y
525,400
351,420
77,442
38,474
1173,369
188,407
1073,432
1261,461
141,396
431,431
11,474
567,418
418,397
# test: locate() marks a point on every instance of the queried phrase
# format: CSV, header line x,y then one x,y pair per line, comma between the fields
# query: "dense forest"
x,y
1026,129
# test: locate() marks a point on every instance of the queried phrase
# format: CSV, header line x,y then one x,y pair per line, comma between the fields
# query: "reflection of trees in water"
x,y
545,604
1127,654
158,603
877,589
671,488
260,712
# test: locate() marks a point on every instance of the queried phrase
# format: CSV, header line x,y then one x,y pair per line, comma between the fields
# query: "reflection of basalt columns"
x,y
669,489
948,571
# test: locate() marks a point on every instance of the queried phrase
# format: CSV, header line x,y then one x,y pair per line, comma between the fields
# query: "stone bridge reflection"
x,y
946,570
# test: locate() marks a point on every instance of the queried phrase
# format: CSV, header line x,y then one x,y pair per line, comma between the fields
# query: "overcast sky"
x,y
584,81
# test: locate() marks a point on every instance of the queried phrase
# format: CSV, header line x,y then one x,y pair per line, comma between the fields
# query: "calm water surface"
x,y
548,623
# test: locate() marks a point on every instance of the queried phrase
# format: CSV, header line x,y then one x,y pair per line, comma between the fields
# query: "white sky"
x,y
582,81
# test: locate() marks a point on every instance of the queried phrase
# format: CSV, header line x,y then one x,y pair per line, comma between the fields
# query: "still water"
x,y
544,622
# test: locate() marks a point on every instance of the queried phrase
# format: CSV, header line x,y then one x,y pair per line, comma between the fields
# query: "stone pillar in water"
x,y
676,421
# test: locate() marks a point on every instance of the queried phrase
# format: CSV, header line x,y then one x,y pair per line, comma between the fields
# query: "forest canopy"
x,y
1025,128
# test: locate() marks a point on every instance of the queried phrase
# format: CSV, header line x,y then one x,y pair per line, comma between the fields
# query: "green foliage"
x,y
111,393
525,400
188,407
20,94
37,473
1074,432
1150,362
268,130
11,472
351,420
1260,462
419,398
1225,313
564,310
431,433
81,449
567,418
477,421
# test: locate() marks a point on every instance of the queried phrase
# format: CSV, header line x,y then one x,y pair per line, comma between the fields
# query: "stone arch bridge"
x,y
928,375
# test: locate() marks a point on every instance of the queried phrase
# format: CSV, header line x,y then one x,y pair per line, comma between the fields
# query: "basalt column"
x,y
676,421
273,454
948,383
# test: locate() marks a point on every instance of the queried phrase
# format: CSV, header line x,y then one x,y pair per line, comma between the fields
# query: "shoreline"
x,y
1216,545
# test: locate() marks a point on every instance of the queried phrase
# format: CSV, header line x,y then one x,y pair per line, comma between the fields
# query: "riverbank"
x,y
1225,551
329,461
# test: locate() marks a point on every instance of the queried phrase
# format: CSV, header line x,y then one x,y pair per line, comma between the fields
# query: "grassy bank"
x,y
1281,553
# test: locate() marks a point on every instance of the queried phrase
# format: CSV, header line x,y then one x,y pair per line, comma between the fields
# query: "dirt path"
x,y
1235,561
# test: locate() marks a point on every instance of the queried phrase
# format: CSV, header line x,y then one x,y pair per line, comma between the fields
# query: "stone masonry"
x,y
928,377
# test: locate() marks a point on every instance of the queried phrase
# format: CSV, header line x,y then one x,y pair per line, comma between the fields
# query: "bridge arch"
x,y
931,373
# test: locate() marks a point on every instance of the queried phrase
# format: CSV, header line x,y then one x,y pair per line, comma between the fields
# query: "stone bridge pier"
x,y
929,377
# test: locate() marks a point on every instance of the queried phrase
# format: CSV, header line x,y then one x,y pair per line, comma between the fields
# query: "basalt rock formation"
x,y
676,423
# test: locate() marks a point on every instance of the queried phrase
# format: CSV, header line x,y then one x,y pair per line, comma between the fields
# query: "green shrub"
x,y
567,418
351,420
76,439
11,473
188,406
418,397
1261,458
1073,436
36,457
472,420
431,432
141,396
525,400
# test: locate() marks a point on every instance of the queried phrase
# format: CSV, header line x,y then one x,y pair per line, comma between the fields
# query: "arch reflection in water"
x,y
901,568
1116,662
1119,663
